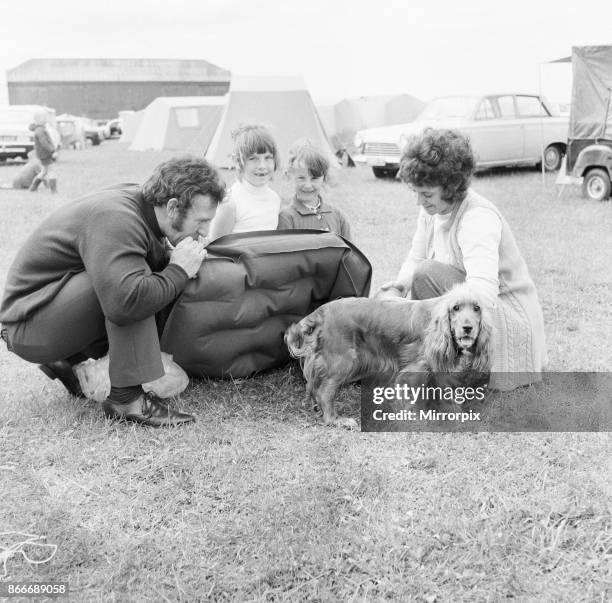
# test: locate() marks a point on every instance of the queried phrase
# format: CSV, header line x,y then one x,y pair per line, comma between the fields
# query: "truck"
x,y
505,129
589,145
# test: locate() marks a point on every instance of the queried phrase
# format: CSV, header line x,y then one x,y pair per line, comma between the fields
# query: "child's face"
x,y
259,168
307,188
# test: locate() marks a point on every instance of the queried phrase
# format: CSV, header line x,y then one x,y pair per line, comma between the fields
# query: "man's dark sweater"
x,y
112,234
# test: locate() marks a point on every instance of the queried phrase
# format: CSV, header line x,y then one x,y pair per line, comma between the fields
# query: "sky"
x,y
342,48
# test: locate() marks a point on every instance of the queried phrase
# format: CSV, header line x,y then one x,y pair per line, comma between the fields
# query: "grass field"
x,y
259,502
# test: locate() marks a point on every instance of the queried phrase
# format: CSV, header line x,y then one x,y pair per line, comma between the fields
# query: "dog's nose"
x,y
467,329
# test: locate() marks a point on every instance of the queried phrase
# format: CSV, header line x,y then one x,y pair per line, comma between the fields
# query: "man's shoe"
x,y
62,370
147,409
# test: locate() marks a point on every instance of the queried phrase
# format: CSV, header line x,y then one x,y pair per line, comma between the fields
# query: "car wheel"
x,y
552,158
95,141
596,185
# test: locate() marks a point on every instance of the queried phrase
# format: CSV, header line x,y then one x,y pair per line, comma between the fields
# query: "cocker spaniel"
x,y
444,341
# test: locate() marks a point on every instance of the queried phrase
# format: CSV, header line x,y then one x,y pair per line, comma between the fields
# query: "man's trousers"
x,y
73,324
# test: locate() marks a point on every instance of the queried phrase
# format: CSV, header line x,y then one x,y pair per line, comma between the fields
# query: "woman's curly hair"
x,y
439,158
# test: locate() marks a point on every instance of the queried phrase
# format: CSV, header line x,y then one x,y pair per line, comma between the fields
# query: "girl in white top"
x,y
250,204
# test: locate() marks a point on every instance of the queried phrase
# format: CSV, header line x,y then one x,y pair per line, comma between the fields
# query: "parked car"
x,y
71,130
115,127
104,127
93,132
16,138
589,148
504,129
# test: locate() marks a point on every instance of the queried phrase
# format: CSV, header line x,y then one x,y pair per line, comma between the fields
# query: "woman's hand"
x,y
392,289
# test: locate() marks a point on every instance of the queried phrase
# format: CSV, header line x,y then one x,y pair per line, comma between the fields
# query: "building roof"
x,y
117,70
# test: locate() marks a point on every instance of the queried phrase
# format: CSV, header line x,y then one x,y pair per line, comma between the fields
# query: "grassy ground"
x,y
258,501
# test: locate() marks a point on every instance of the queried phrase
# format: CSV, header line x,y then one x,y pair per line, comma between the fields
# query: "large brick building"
x,y
100,88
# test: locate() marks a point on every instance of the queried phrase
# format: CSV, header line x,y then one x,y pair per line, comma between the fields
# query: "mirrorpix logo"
x,y
390,403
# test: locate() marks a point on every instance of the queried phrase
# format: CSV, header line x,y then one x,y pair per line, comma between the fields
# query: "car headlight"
x,y
358,142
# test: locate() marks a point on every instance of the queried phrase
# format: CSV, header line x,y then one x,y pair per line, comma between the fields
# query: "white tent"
x,y
281,104
354,114
178,123
327,114
130,120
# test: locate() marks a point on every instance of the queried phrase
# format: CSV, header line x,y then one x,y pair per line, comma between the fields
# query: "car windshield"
x,y
449,106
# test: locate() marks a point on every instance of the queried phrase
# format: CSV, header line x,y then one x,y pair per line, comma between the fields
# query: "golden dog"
x,y
445,340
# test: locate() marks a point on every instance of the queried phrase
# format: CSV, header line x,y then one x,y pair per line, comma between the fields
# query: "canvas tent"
x,y
282,104
178,123
346,118
591,104
130,120
591,108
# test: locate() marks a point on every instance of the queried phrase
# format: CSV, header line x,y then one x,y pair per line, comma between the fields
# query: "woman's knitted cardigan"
x,y
518,324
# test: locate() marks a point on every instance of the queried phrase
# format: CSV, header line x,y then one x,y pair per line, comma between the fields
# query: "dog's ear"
x,y
301,336
483,353
293,337
438,346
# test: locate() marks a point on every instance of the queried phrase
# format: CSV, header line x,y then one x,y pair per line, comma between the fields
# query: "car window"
x,y
506,107
448,107
530,106
486,110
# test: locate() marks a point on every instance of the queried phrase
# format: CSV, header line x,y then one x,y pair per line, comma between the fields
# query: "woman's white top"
x,y
479,237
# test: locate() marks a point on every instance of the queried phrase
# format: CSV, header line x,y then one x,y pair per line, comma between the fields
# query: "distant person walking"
x,y
45,151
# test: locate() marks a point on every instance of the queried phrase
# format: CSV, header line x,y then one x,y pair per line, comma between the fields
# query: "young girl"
x,y
309,169
250,204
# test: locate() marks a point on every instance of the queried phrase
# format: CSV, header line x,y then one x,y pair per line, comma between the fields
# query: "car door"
x,y
532,115
496,136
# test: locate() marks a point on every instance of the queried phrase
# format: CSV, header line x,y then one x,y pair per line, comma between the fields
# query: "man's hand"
x,y
189,255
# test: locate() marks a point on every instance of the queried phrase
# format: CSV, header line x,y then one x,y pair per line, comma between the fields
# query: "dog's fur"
x,y
445,340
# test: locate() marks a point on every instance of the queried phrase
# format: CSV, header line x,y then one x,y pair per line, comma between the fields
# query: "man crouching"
x,y
94,274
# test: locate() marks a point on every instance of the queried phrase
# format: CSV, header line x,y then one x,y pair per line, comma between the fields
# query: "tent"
x,y
591,108
327,114
130,120
282,104
178,123
353,114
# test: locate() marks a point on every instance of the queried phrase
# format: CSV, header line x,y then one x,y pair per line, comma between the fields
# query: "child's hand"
x,y
189,255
